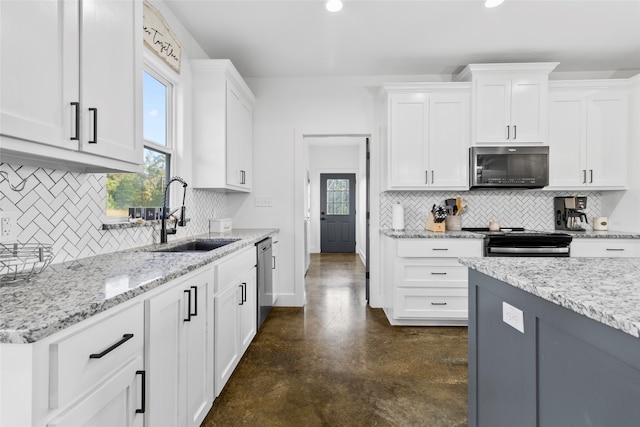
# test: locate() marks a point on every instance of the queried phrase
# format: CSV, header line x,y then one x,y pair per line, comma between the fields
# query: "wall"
x,y
67,209
529,209
332,159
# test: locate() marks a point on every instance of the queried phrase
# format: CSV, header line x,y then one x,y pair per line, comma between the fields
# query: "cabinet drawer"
x,y
430,303
82,360
428,272
229,269
605,248
439,248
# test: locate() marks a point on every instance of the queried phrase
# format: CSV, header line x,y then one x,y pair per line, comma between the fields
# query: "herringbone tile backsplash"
x,y
67,210
530,209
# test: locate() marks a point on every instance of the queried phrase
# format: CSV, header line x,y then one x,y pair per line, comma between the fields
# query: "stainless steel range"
x,y
518,242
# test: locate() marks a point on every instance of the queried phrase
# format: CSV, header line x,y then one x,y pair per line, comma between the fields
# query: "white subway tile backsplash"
x,y
67,210
527,208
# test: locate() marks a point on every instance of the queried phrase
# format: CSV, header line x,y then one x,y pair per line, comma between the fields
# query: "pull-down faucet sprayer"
x,y
183,220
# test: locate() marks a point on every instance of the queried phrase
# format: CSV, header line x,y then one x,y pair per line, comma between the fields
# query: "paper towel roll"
x,y
398,217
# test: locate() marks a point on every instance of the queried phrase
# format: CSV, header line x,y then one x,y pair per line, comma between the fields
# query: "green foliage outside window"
x,y
125,190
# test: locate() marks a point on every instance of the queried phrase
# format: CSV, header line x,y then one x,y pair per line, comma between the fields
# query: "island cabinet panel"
x,y
564,369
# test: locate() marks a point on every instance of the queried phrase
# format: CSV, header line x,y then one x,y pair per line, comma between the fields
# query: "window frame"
x,y
164,75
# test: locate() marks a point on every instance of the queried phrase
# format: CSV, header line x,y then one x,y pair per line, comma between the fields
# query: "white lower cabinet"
x,y
179,352
605,248
235,312
423,282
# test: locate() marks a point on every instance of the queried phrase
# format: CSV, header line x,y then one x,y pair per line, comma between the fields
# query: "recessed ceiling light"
x,y
333,5
493,3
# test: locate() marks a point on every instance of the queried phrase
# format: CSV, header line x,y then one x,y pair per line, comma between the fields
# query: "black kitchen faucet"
x,y
183,220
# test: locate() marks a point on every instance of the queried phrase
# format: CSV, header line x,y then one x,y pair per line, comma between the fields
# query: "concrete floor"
x,y
337,362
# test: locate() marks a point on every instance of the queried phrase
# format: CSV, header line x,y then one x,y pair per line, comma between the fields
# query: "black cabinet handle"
x,y
195,302
125,338
440,249
584,176
615,249
432,178
243,177
273,257
438,274
515,132
590,176
426,177
507,132
95,125
143,392
438,303
77,124
241,294
188,292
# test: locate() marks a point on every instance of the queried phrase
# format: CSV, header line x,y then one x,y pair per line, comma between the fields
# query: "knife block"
x,y
431,225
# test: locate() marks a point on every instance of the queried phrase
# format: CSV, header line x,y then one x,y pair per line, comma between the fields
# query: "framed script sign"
x,y
160,39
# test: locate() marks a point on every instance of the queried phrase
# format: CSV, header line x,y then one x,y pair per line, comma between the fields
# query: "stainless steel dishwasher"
x,y
265,280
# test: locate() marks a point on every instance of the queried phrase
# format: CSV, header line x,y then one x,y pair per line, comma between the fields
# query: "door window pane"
x,y
337,197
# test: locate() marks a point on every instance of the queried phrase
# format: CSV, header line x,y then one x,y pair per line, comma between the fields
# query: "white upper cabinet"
x,y
509,102
222,127
428,137
71,84
588,135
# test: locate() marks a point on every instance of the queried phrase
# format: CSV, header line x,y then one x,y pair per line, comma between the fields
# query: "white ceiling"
x,y
273,38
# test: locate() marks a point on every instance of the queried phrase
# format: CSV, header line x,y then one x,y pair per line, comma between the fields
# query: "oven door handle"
x,y
564,250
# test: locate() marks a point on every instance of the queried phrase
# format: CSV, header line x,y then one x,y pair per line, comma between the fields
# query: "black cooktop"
x,y
512,231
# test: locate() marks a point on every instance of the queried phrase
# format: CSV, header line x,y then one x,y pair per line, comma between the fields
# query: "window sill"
x,y
127,224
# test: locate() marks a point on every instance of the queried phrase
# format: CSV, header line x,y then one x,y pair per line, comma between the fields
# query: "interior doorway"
x,y
337,213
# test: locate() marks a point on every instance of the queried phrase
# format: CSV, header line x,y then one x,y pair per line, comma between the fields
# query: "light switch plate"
x,y
263,201
513,317
8,226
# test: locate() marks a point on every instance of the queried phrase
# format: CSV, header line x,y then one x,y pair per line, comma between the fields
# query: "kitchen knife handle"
x,y
95,126
77,121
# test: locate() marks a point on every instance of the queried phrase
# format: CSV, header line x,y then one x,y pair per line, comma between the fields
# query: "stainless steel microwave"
x,y
509,167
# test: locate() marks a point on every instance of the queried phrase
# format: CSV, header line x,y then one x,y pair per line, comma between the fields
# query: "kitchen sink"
x,y
197,246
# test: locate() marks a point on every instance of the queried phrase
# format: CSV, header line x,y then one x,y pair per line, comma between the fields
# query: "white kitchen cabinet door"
x,y
165,335
111,73
567,139
248,309
429,140
116,402
222,127
448,150
409,140
227,346
511,109
178,355
40,71
588,138
83,106
607,139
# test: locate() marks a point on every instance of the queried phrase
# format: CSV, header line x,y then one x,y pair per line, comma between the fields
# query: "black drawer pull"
x,y
440,249
95,126
143,393
435,273
125,338
195,295
438,303
77,121
189,314
616,249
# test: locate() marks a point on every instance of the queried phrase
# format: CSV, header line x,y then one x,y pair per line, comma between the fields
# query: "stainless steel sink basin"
x,y
197,246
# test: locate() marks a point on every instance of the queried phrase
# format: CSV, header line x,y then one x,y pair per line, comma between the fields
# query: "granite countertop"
x,y
604,289
67,293
425,234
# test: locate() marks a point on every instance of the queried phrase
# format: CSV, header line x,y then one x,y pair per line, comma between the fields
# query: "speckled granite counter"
x,y
424,234
604,289
589,234
67,293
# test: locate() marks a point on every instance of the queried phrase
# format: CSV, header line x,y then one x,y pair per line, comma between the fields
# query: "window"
x,y
337,197
146,189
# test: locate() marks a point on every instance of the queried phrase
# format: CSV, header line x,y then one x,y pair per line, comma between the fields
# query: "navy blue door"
x,y
338,213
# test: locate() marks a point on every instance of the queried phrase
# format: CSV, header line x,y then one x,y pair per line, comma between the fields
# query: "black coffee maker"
x,y
569,213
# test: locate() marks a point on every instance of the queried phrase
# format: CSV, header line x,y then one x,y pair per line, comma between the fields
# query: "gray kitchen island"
x,y
554,341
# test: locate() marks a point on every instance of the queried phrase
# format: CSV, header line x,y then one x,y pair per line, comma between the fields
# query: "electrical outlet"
x,y
8,226
263,201
513,317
